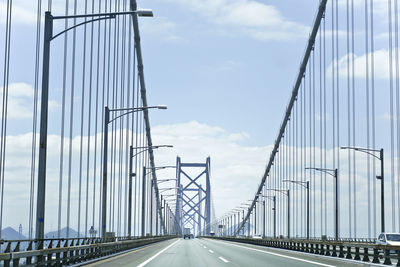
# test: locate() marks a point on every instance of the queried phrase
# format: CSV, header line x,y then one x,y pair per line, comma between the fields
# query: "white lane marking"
x,y
224,260
204,247
211,251
156,255
283,256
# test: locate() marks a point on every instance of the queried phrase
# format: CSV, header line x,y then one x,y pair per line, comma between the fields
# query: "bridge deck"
x,y
201,252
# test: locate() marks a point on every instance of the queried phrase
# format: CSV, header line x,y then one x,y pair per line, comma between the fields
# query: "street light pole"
x,y
255,219
143,201
288,213
382,192
334,174
131,175
336,205
274,209
308,209
48,37
307,186
373,152
105,157
285,192
263,218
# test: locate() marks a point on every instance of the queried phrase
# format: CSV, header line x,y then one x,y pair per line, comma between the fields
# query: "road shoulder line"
x,y
157,254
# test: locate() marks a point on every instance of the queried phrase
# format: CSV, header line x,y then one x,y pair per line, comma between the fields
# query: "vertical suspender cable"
x,y
71,121
6,74
95,157
313,186
302,178
35,117
353,80
321,120
82,120
64,89
397,85
348,106
391,89
295,149
325,122
89,122
367,94
337,104
335,62
310,129
373,91
104,102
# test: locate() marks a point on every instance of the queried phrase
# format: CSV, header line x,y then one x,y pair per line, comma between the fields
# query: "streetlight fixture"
x,y
274,210
48,37
306,185
334,174
373,152
107,121
287,193
131,175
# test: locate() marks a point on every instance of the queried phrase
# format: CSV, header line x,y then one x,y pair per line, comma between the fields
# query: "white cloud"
x,y
236,170
23,12
381,58
161,28
258,20
20,96
20,101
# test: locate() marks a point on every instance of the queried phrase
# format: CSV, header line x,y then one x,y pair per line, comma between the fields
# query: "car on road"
x,y
389,239
256,237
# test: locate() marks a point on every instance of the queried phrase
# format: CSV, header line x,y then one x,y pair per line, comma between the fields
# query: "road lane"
x,y
252,255
187,252
134,257
207,252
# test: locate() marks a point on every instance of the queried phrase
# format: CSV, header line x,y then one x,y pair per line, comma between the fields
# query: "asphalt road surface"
x,y
205,252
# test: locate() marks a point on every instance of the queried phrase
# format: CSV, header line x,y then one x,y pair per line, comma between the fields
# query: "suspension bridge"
x,y
84,178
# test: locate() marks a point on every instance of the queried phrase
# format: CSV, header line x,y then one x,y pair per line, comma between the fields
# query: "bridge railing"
x,y
67,251
350,240
359,251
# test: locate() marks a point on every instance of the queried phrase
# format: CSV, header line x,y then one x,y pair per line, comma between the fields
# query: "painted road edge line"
x,y
156,255
224,260
283,256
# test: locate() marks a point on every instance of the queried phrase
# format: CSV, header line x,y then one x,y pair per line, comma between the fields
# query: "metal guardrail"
x,y
348,240
362,251
61,252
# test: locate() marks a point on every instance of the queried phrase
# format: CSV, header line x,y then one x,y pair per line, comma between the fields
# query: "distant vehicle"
x,y
212,233
186,233
389,239
256,237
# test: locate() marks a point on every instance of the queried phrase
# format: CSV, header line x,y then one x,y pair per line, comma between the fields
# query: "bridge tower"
x,y
193,209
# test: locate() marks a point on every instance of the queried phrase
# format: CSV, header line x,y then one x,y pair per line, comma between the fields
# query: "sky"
x,y
224,68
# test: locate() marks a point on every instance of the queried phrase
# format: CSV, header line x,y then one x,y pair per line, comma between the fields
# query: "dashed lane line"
x,y
280,255
223,259
211,251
